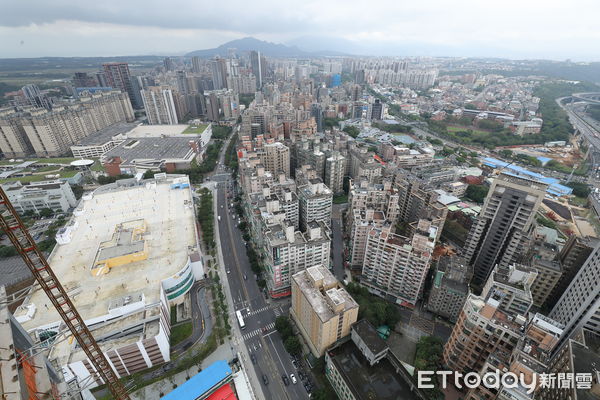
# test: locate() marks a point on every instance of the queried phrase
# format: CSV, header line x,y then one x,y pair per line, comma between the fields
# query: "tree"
x,y
149,174
283,326
292,345
506,153
46,212
7,251
579,189
77,191
477,193
352,131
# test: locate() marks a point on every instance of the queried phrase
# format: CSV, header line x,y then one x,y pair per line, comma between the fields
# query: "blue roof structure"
x,y
554,187
543,160
213,375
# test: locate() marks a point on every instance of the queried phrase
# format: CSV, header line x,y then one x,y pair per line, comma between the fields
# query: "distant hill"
x,y
267,48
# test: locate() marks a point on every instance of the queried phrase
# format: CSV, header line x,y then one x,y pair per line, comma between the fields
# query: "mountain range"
x,y
267,48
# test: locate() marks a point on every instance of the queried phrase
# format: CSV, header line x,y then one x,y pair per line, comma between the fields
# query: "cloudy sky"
x,y
555,29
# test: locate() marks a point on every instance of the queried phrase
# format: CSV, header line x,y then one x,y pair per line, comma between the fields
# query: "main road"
x,y
262,342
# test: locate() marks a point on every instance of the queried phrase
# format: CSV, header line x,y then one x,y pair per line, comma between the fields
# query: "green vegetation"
x,y
210,157
220,132
477,193
325,390
547,222
221,310
579,189
65,173
393,128
329,123
428,357
341,199
195,129
352,131
231,159
104,180
7,251
376,310
180,332
206,217
454,232
594,111
290,341
246,99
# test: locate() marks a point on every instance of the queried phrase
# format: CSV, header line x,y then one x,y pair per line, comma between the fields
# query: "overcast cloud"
x,y
556,29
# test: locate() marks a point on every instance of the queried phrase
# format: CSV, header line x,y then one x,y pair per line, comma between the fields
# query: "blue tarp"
x,y
201,382
554,187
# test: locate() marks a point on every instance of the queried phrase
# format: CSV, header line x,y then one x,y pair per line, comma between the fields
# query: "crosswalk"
x,y
254,312
277,312
255,332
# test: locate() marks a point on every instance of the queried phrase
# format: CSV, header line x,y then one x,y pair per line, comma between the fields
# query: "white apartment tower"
x,y
395,267
159,105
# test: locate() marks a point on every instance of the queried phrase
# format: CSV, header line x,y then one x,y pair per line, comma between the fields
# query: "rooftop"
x,y
369,335
202,382
170,232
367,382
324,292
156,148
106,135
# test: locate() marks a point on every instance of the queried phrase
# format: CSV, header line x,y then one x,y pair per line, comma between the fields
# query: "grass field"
x,y
453,129
195,129
38,178
180,333
57,160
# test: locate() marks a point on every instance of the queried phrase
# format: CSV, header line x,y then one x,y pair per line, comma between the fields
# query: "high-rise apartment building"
x,y
322,308
363,221
218,69
35,97
168,64
482,329
571,258
257,63
511,286
316,201
51,133
159,104
118,77
276,158
376,110
579,305
287,251
196,65
82,79
395,267
502,227
13,140
335,171
450,287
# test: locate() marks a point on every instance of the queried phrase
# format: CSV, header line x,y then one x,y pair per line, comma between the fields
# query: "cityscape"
x,y
300,218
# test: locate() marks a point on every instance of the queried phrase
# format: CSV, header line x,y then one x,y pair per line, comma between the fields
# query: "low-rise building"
x,y
55,195
363,368
322,308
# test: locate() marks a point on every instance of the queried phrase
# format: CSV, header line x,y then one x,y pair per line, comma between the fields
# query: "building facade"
x,y
322,308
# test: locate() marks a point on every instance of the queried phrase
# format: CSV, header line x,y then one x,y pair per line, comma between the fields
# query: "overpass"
x,y
592,97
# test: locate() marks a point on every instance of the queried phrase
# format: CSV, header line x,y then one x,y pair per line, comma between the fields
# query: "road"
x,y
259,337
202,327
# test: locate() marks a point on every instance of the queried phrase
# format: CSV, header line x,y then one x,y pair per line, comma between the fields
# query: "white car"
x,y
293,378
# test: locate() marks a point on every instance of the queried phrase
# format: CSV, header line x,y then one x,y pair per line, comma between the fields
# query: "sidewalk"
x,y
238,343
158,389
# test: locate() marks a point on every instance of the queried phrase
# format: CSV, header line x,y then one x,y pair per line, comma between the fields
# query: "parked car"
x,y
285,379
265,379
293,378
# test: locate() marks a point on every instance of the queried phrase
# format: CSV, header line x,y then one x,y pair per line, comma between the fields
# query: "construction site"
x,y
129,254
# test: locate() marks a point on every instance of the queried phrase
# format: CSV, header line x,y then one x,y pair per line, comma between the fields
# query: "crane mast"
x,y
35,260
